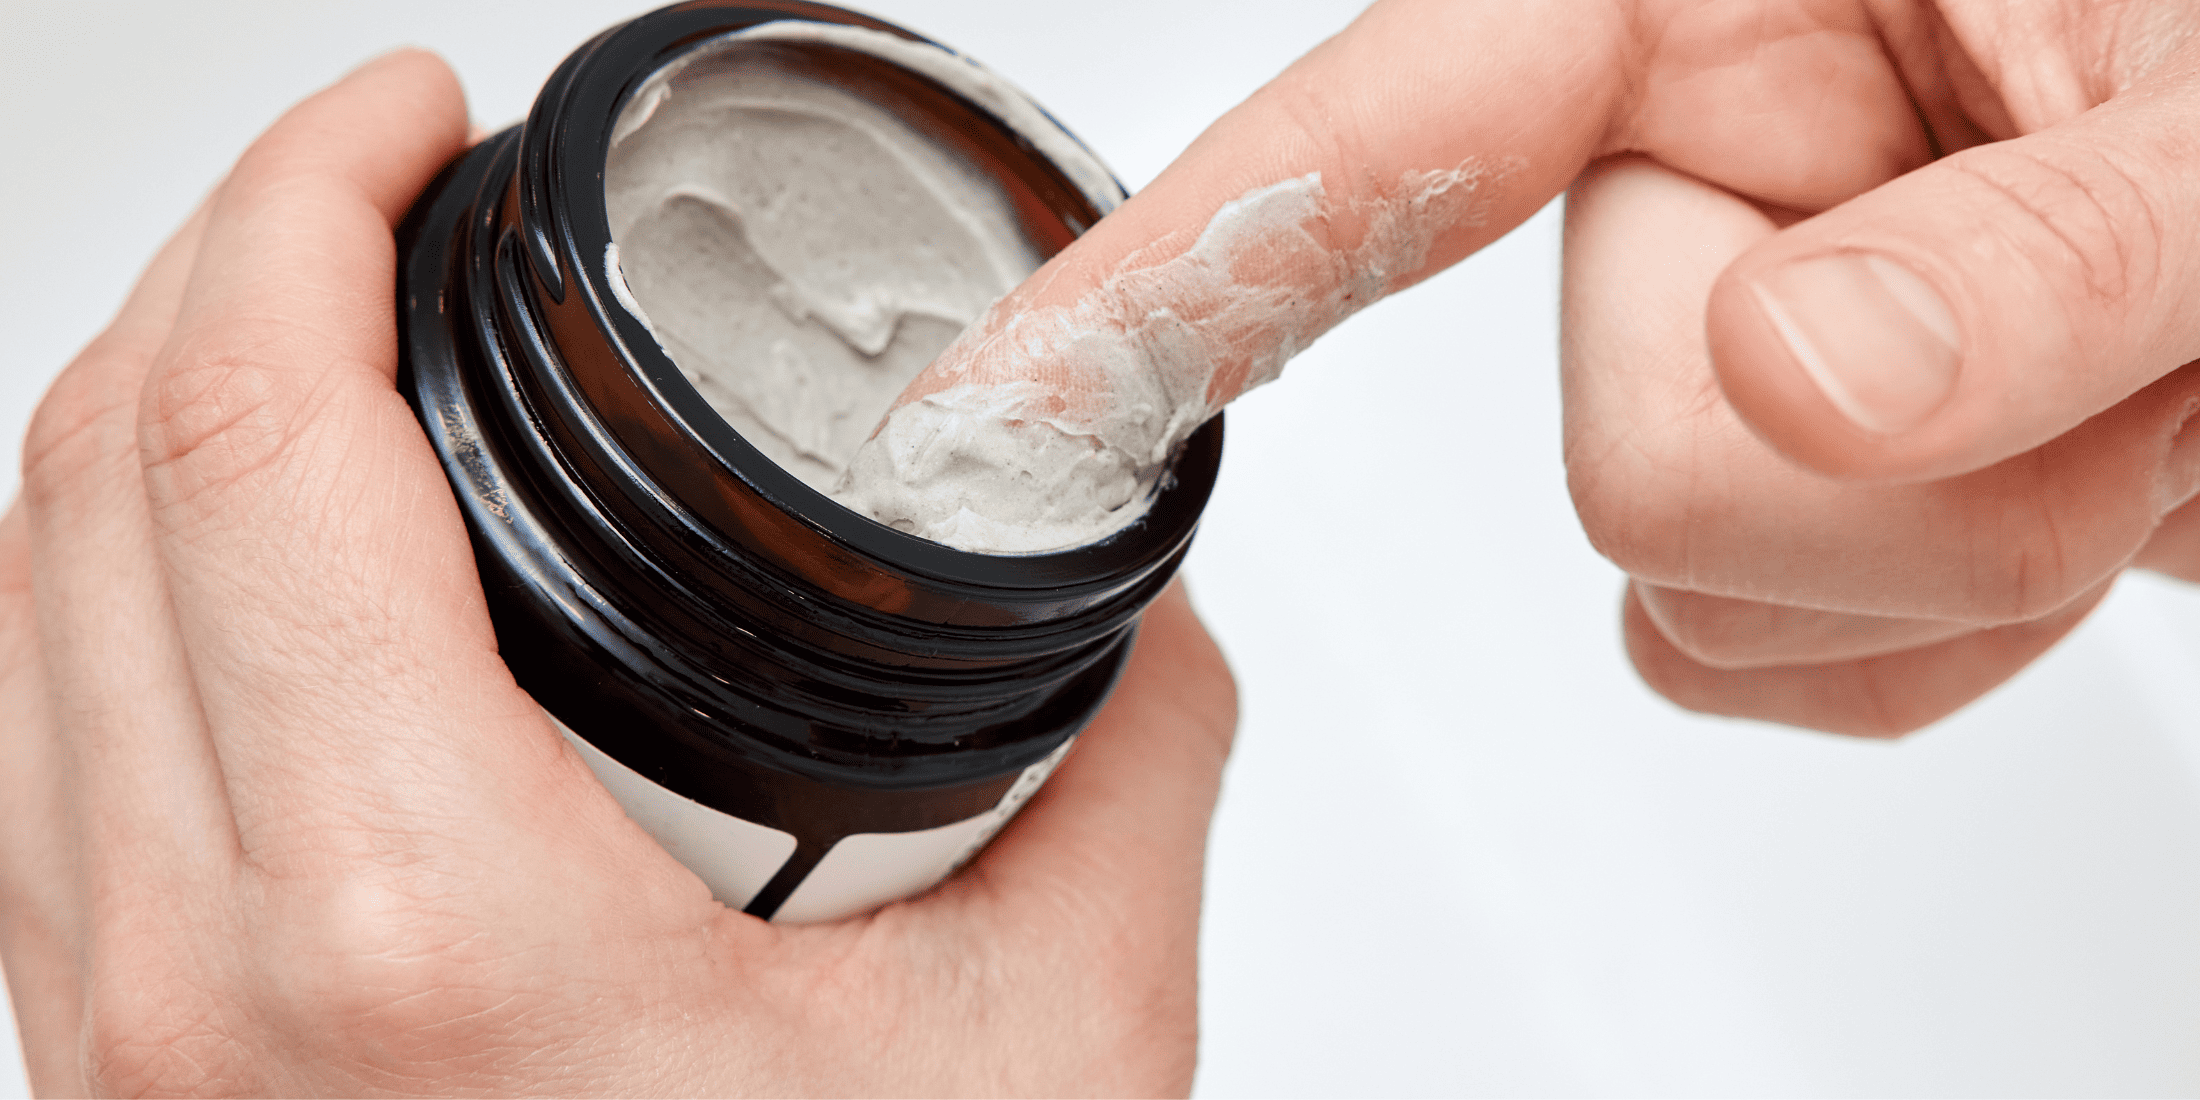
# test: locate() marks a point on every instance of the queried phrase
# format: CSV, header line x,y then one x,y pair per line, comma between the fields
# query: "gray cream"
x,y
801,252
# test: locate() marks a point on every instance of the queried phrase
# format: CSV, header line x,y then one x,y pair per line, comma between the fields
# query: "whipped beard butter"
x,y
645,332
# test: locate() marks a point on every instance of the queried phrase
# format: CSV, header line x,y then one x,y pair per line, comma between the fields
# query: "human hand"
x,y
276,819
1863,558
1954,401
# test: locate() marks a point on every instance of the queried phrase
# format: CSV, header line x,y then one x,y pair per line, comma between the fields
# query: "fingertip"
x,y
1184,637
1173,716
1353,174
396,57
1126,816
385,128
424,95
416,67
2174,548
309,207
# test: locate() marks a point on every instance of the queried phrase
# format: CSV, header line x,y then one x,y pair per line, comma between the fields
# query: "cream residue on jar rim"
x,y
801,253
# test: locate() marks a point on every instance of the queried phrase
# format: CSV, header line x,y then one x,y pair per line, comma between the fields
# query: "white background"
x,y
1461,851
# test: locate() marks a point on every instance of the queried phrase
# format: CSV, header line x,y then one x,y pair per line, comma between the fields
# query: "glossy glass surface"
x,y
669,593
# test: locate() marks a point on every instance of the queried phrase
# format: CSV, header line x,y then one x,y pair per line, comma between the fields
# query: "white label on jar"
x,y
868,870
733,856
736,857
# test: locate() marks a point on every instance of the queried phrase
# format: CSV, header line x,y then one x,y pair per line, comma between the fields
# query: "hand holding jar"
x,y
277,820
1875,376
1876,315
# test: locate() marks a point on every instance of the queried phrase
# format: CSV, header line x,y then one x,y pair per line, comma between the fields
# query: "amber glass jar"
x,y
814,711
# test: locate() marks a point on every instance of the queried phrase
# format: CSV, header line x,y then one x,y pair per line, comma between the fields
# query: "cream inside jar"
x,y
803,244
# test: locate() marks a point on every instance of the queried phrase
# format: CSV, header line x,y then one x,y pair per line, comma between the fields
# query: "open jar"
x,y
813,711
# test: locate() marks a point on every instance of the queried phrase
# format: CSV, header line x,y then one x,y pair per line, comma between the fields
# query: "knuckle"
x,y
1650,480
283,176
2173,549
387,964
217,415
154,1033
83,425
1606,509
2092,215
380,974
1308,118
1633,521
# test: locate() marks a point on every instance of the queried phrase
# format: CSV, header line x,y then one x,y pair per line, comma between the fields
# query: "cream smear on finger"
x,y
803,254
1042,428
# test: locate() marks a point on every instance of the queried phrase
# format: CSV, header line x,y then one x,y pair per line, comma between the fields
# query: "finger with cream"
x,y
1068,410
803,253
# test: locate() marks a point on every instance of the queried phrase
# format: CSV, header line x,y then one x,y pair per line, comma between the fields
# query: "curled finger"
x,y
41,908
1724,633
1677,490
1882,696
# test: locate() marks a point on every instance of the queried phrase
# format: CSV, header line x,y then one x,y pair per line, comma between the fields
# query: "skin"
x,y
276,819
278,822
2021,160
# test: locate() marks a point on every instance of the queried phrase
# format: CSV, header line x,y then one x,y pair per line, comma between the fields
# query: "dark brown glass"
x,y
673,596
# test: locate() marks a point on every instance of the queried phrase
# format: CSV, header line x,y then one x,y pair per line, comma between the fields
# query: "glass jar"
x,y
813,711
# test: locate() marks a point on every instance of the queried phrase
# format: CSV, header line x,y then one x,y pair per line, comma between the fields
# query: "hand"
x,y
1874,309
276,819
1954,401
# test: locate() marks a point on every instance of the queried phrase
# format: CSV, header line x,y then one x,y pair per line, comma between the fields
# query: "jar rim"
x,y
582,122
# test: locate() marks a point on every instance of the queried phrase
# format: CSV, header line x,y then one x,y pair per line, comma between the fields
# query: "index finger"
x,y
1351,175
1420,133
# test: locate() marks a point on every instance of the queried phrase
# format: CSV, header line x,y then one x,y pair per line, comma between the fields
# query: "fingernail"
x,y
1877,339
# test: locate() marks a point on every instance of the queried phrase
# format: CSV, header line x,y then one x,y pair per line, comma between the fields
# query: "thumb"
x,y
1979,306
1420,133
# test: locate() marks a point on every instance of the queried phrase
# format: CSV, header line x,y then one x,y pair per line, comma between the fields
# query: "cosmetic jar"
x,y
816,713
